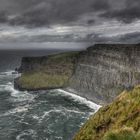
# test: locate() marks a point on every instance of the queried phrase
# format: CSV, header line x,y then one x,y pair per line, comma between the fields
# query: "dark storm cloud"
x,y
131,37
3,16
126,14
100,5
45,12
52,11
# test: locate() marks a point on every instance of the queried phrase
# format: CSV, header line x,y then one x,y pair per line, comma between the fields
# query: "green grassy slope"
x,y
119,120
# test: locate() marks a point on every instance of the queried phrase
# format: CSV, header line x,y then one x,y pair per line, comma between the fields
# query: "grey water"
x,y
38,115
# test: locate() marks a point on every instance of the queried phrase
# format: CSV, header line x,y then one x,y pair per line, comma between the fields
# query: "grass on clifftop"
x,y
54,72
40,80
63,57
119,120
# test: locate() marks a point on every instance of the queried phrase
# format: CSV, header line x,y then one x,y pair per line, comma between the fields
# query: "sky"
x,y
96,21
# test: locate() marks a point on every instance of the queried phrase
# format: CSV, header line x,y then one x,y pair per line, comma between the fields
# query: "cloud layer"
x,y
106,21
109,32
46,12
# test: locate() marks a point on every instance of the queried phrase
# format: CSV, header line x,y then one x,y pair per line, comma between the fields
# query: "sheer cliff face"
x,y
105,70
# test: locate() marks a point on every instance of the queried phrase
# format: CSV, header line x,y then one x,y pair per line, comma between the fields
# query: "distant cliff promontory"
x,y
48,72
99,73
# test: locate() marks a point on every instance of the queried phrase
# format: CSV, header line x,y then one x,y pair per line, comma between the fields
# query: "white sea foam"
x,y
6,87
29,132
10,72
74,111
19,109
47,113
17,95
80,99
63,111
9,87
51,111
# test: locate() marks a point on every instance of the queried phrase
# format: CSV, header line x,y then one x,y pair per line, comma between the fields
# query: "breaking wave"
x,y
80,99
17,95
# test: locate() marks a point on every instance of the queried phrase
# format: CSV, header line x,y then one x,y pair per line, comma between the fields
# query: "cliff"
x,y
119,120
104,70
100,73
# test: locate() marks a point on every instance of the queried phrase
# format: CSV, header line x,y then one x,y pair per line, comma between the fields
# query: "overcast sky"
x,y
98,21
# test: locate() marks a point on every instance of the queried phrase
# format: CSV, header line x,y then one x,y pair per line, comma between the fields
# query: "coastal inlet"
x,y
40,115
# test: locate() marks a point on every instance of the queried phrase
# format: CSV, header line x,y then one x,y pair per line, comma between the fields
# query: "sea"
x,y
38,115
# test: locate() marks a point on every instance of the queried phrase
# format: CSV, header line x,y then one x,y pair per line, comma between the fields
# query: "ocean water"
x,y
38,115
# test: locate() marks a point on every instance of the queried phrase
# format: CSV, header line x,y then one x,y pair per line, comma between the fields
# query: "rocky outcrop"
x,y
100,73
103,71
